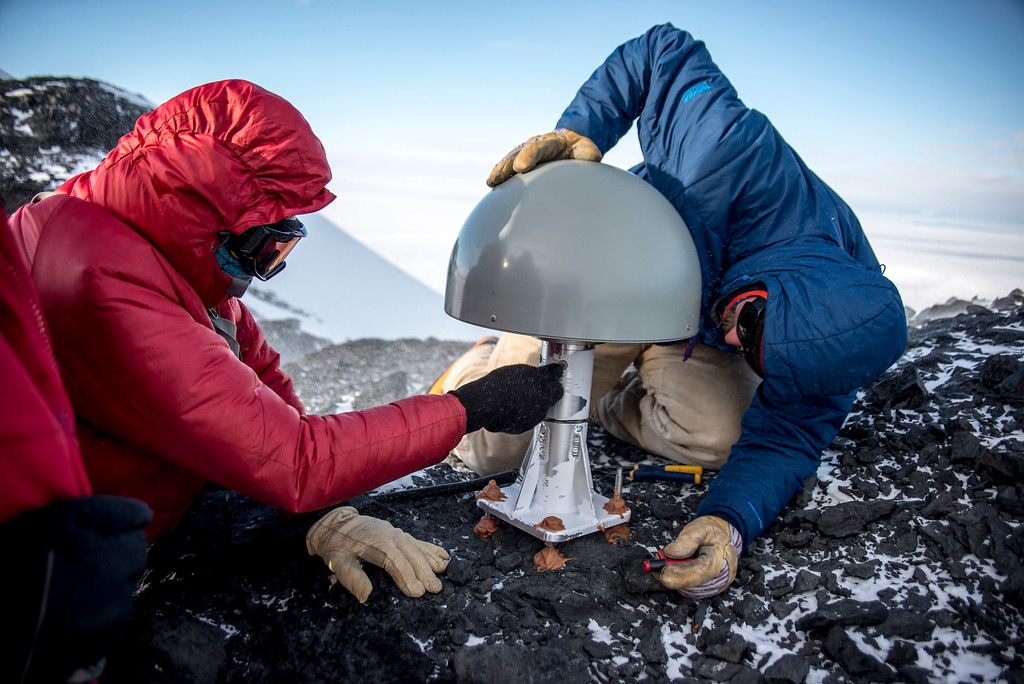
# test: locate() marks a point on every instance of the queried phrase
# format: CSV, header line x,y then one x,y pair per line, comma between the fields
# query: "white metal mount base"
x,y
576,525
554,482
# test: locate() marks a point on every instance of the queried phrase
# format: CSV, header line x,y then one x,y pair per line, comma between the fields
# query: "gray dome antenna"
x,y
575,253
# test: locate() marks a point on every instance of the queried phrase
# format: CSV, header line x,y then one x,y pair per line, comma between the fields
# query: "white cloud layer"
x,y
930,262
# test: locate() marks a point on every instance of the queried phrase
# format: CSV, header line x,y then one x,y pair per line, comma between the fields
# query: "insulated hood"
x,y
576,251
223,156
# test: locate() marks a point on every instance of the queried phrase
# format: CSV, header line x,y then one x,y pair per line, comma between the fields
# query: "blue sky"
x,y
913,111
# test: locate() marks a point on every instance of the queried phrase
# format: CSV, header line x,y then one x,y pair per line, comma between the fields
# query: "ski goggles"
x,y
261,250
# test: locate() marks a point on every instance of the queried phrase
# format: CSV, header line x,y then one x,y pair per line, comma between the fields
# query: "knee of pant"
x,y
689,436
718,454
487,453
471,366
723,439
712,457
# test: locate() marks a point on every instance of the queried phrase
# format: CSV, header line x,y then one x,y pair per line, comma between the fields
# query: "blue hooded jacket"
x,y
756,214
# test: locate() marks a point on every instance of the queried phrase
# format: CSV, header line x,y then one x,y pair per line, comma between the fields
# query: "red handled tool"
x,y
661,561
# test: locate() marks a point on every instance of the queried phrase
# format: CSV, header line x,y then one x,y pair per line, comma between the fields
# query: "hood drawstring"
x,y
689,349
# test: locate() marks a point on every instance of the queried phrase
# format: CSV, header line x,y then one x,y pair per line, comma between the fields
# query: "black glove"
x,y
511,399
67,581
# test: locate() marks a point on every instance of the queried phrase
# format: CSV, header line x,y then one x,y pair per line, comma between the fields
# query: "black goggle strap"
x,y
750,330
750,323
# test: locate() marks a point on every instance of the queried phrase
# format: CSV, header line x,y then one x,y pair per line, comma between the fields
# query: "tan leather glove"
x,y
717,545
558,144
343,538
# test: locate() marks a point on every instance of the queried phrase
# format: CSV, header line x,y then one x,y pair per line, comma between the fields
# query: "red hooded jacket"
x,y
39,457
123,259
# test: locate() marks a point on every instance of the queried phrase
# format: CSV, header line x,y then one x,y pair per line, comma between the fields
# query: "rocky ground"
x,y
900,561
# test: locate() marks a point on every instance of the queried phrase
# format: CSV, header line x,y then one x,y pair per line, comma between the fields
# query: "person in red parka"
x,y
71,559
139,264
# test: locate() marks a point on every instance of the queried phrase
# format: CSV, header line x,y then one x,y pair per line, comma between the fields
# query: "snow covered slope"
x,y
342,290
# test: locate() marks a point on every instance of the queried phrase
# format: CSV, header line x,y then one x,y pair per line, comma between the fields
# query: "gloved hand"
x,y
558,144
343,538
67,583
717,545
511,399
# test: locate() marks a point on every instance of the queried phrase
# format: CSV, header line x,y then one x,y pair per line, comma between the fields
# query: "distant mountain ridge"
x,y
340,289
52,128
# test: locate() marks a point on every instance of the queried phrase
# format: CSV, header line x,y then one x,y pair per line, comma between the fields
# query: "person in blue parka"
x,y
795,312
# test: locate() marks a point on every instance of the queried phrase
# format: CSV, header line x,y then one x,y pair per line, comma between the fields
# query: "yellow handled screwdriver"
x,y
668,473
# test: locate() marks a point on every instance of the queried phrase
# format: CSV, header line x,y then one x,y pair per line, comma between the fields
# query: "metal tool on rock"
x,y
659,563
668,473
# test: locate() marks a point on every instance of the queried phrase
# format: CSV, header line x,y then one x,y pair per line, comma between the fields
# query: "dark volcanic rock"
x,y
789,669
651,646
996,369
846,612
902,653
721,643
53,127
863,667
752,609
906,624
887,568
487,664
852,517
192,650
